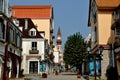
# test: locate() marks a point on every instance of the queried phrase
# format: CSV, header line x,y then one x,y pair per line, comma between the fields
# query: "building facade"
x,y
59,47
100,21
58,53
10,44
42,18
116,40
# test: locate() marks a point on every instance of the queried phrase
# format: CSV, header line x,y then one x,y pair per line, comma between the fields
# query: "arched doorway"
x,y
9,66
17,65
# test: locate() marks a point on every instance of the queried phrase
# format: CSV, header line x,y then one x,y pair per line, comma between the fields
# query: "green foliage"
x,y
74,50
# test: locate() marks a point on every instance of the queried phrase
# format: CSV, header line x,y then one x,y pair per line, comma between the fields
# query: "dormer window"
x,y
32,32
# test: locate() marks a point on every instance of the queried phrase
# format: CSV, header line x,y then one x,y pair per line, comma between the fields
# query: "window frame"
x,y
34,46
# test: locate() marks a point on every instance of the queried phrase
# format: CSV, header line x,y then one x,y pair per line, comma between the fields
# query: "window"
x,y
18,39
32,32
117,32
94,14
2,30
11,35
1,5
94,34
34,45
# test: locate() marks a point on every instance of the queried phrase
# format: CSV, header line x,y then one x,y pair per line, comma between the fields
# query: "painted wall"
x,y
26,45
43,25
104,27
56,58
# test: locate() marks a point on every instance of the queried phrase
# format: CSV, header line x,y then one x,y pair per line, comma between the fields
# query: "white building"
x,y
34,47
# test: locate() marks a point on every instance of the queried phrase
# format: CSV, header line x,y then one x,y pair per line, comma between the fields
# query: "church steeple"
x,y
59,41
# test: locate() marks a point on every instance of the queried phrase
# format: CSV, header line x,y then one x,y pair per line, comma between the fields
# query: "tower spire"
x,y
59,32
59,41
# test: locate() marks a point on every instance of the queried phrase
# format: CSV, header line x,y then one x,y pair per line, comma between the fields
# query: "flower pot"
x,y
44,75
78,76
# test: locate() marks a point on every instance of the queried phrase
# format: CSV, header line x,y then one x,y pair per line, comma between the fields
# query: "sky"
x,y
70,15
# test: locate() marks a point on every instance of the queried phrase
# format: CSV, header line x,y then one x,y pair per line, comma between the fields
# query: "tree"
x,y
74,50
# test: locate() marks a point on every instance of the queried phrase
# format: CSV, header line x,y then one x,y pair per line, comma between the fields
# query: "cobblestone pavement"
x,y
61,76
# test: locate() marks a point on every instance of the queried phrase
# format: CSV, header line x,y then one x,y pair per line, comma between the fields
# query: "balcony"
x,y
34,51
116,28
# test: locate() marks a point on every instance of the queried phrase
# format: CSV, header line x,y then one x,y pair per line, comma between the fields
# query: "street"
x,y
61,76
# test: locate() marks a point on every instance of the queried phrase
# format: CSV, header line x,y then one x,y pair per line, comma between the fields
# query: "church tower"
x,y
59,47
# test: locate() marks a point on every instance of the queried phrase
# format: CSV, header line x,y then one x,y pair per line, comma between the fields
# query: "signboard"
x,y
92,68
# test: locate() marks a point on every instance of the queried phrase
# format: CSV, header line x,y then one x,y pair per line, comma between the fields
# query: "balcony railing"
x,y
117,33
34,51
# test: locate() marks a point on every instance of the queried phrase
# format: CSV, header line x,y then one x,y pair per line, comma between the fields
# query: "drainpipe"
x,y
5,64
6,51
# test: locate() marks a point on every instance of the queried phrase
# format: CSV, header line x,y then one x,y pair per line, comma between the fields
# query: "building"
x,y
58,52
10,44
56,59
100,21
85,63
31,44
59,47
42,18
116,40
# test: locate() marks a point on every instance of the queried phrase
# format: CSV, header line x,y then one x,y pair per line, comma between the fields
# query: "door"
x,y
33,67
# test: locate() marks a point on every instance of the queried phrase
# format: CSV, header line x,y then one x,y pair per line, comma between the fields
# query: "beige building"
x,y
42,17
100,21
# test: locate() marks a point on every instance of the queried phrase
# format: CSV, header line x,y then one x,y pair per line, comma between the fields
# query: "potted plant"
x,y
44,75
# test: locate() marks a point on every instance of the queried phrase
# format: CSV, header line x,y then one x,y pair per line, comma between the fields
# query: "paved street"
x,y
62,76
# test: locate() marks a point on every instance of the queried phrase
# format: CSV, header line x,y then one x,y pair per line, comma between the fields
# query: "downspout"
x,y
6,52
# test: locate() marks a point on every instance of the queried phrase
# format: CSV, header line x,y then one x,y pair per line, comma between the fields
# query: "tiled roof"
x,y
32,11
30,26
108,3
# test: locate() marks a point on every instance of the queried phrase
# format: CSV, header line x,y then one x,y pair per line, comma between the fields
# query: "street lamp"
x,y
101,48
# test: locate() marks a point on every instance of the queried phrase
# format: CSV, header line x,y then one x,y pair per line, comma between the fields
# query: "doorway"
x,y
33,69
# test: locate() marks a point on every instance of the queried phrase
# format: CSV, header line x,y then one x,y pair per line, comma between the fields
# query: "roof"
x,y
30,26
108,3
33,11
59,32
104,5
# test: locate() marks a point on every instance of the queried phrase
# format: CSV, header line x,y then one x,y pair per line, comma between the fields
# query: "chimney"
x,y
26,23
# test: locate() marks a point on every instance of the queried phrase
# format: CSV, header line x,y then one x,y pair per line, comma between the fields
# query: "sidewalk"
x,y
63,76
60,76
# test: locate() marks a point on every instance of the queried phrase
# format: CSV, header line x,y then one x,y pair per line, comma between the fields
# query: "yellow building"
x,y
100,21
42,17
